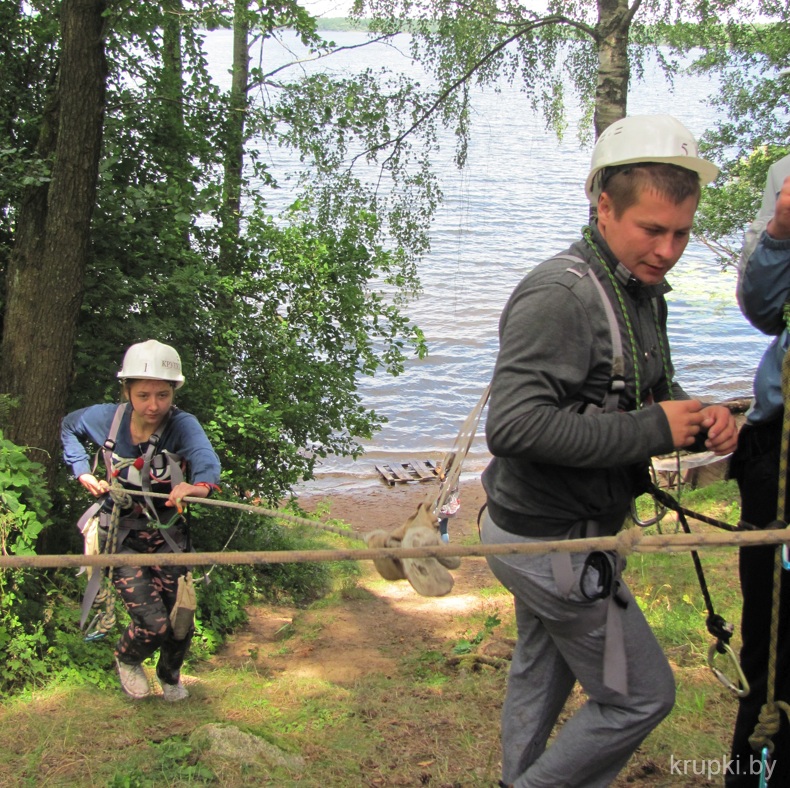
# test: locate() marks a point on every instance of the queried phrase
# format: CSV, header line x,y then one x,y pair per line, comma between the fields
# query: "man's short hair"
x,y
625,183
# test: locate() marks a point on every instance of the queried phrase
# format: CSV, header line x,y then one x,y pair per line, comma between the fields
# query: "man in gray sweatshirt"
x,y
582,396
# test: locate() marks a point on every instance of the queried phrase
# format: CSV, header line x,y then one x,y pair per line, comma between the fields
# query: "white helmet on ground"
x,y
646,138
153,361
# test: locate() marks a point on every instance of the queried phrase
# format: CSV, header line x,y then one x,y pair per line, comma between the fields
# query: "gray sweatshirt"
x,y
553,465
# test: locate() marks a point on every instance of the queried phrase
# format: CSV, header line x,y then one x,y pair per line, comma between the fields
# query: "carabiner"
x,y
172,521
764,756
660,512
785,556
741,690
99,627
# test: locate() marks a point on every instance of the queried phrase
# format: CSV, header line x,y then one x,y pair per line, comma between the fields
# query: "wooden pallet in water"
x,y
412,471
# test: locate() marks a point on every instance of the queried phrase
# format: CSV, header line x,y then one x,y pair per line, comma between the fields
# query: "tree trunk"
x,y
611,93
47,263
172,66
175,152
234,156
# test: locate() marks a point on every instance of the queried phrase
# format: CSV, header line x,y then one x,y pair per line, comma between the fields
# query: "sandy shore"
x,y
379,505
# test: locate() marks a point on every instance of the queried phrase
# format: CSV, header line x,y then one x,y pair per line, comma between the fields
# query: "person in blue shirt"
x,y
149,446
763,289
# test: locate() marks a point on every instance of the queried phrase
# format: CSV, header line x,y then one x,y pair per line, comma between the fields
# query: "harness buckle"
x,y
741,689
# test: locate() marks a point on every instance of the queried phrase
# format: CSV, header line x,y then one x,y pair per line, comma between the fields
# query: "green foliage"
x,y
747,56
172,762
24,501
24,504
277,314
553,54
466,646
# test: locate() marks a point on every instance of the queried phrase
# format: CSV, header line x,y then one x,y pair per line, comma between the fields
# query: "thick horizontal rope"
x,y
632,540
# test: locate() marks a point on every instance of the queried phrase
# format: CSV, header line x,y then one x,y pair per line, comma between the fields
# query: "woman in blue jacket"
x,y
149,446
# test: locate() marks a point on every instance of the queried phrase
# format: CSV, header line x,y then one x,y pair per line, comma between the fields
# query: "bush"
x,y
39,613
23,506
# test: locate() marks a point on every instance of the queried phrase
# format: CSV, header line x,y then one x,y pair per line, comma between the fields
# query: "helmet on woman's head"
x,y
660,139
152,360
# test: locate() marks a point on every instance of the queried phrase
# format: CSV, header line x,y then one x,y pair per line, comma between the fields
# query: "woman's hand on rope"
x,y
721,428
184,490
93,485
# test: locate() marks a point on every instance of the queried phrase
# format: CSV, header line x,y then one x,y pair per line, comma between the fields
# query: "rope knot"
x,y
120,496
626,540
767,726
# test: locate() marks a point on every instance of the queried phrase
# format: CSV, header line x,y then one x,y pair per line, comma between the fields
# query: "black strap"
x,y
717,626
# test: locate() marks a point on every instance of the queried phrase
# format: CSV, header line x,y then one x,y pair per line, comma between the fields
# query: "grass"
x,y
424,720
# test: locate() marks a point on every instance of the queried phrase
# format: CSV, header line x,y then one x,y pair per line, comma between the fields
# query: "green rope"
x,y
665,364
618,289
587,233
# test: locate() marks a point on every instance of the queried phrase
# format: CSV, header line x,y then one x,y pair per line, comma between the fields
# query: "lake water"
x,y
519,200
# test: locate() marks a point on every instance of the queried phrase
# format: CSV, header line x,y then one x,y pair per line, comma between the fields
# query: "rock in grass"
x,y
228,742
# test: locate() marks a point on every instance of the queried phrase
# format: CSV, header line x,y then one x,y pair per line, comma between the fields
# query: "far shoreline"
x,y
377,504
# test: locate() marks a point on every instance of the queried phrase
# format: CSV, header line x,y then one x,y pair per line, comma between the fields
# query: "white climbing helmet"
x,y
152,360
646,138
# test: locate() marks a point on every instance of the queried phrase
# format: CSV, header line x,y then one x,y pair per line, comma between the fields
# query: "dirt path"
x,y
381,622
369,632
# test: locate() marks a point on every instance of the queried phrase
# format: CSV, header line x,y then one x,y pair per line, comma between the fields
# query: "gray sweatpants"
x,y
553,651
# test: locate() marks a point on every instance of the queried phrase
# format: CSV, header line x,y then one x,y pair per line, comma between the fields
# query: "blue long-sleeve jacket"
x,y
763,288
181,435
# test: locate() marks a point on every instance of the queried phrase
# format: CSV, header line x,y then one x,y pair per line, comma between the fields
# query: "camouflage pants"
x,y
149,594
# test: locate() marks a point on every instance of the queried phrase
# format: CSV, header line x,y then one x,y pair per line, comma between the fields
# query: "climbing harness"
x,y
99,590
716,625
